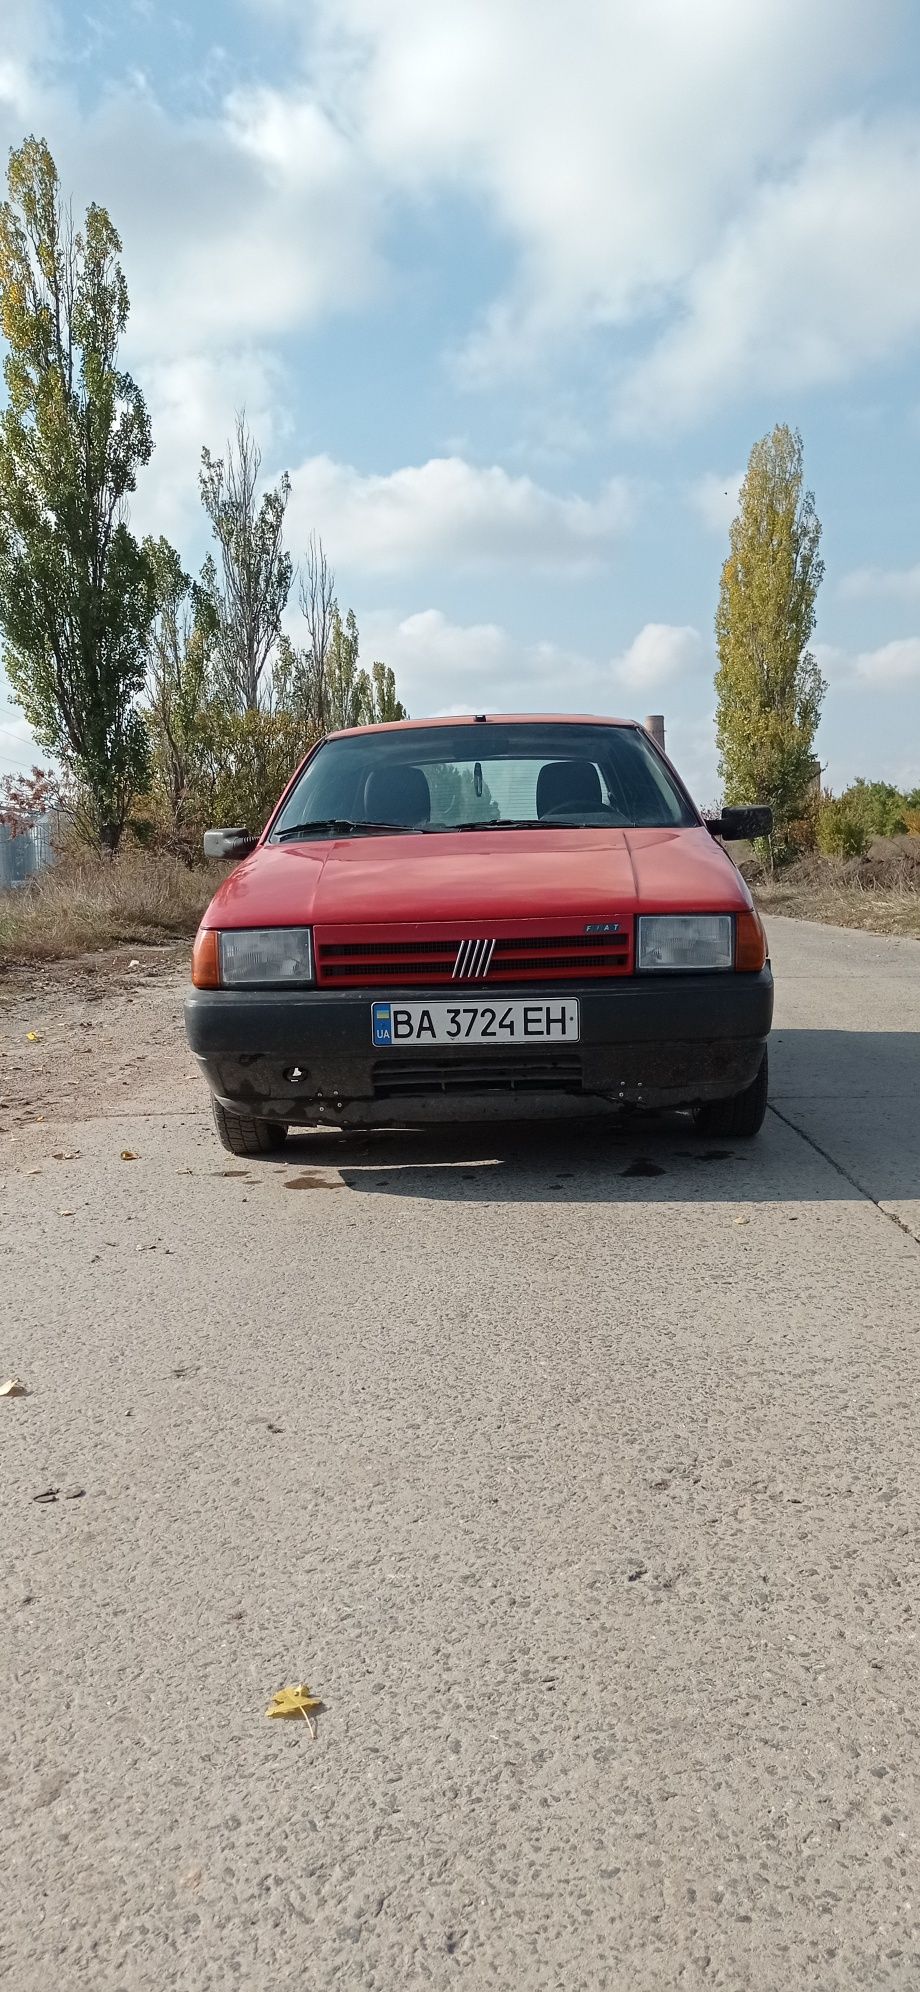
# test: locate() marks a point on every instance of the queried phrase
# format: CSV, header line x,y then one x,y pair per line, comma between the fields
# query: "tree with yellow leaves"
x,y
768,685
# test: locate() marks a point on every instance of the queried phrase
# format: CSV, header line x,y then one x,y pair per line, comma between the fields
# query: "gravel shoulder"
x,y
78,1038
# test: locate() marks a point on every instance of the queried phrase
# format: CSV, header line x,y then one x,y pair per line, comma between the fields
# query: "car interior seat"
x,y
397,795
568,785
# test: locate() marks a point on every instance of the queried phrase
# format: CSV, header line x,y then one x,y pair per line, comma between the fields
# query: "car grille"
x,y
400,958
408,1076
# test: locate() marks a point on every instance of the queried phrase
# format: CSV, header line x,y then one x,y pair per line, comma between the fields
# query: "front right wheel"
x,y
242,1135
740,1115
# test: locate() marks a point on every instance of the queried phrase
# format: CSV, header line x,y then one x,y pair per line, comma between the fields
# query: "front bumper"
x,y
306,1057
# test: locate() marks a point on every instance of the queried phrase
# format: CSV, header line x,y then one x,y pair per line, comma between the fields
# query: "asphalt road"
x,y
585,1499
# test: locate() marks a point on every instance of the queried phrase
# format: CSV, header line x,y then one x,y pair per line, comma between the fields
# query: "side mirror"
x,y
228,845
736,826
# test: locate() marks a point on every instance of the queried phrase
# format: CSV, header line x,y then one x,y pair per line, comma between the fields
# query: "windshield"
x,y
485,775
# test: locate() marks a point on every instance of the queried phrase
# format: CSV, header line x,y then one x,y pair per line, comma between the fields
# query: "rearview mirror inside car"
x,y
735,826
229,844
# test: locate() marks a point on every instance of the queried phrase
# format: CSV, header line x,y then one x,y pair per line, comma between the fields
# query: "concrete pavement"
x,y
586,1499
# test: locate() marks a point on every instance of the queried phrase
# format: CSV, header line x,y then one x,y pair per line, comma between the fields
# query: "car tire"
x,y
245,1136
740,1115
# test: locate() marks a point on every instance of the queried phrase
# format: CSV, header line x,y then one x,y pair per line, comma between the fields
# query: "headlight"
x,y
685,940
265,954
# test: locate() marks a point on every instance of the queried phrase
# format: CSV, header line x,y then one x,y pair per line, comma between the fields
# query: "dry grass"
x,y
87,903
880,893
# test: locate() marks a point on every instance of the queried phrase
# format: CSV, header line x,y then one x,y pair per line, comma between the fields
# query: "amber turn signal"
x,y
750,941
206,959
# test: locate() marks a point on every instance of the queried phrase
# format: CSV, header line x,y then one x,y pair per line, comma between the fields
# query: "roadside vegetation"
x,y
83,903
879,892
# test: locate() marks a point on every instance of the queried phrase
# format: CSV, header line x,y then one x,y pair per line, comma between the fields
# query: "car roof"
x,y
489,719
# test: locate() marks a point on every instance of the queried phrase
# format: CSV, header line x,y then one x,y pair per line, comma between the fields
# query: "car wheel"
x,y
742,1114
244,1136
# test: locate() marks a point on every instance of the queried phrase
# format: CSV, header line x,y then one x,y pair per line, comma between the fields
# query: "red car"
x,y
459,918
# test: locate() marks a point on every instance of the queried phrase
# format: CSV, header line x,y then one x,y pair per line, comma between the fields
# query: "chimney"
x,y
654,724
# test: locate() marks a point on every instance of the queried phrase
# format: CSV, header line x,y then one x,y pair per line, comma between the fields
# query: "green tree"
x,y
768,686
319,608
383,704
252,756
347,691
249,593
841,830
76,591
880,806
179,713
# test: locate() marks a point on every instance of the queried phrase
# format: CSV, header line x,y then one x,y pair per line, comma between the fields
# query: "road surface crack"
x,y
854,1182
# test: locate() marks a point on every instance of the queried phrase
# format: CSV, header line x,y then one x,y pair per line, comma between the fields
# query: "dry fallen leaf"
x,y
66,1213
65,1154
289,1704
13,1387
128,1155
32,1037
742,1220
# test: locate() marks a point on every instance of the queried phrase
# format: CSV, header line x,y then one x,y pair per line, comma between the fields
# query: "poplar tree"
x,y
77,594
768,686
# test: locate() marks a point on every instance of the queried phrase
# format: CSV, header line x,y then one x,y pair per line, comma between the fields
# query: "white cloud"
x,y
610,153
661,653
443,666
450,511
714,499
193,399
892,664
229,242
816,277
618,160
890,667
896,583
224,243
438,662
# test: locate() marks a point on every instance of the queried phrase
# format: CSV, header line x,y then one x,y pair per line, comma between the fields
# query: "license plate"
x,y
548,1020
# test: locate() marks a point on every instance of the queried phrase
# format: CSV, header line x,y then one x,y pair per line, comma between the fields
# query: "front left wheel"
x,y
242,1135
742,1114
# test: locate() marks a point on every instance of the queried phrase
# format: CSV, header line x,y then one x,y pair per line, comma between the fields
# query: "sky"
x,y
510,289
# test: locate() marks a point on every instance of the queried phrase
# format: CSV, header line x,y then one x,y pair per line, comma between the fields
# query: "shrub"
x,y
879,805
841,830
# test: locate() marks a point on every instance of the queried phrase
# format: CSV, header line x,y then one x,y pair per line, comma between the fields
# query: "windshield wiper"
x,y
334,826
519,823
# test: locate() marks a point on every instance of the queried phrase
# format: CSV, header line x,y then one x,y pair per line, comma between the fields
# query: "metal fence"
x,y
22,856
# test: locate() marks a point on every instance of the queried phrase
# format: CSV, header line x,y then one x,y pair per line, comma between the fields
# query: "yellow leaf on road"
x,y
32,1037
291,1704
128,1155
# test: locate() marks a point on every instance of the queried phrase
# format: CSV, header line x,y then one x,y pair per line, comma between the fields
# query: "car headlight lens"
x,y
685,940
265,954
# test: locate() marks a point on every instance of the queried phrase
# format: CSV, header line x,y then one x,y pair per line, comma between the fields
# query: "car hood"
x,y
474,877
